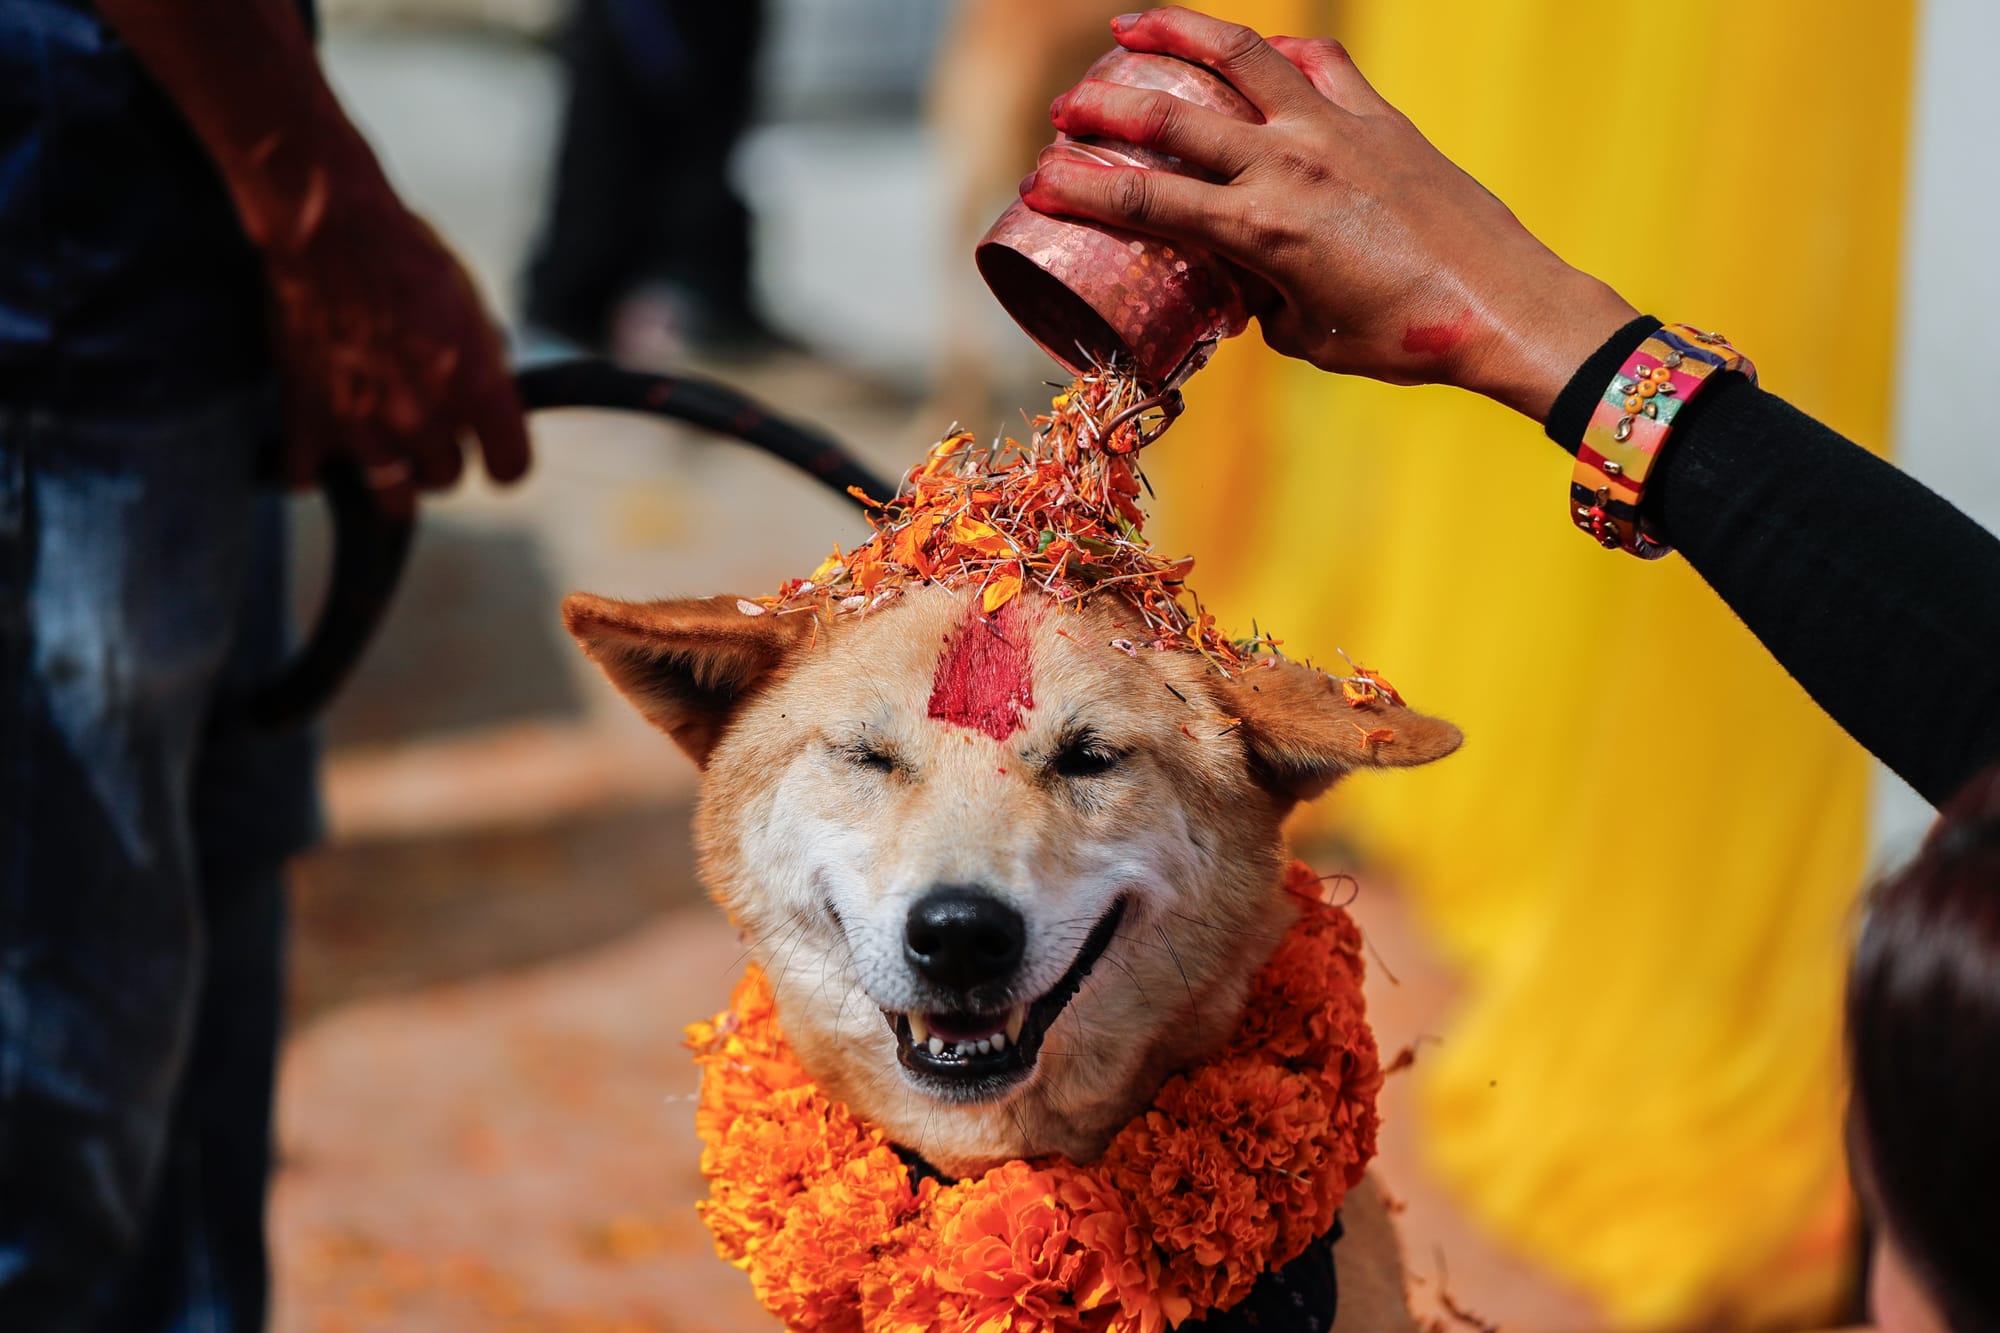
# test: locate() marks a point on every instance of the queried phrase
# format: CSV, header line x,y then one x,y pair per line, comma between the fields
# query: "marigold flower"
x,y
1058,514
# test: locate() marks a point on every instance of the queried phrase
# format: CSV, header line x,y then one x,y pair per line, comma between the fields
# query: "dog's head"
x,y
1005,872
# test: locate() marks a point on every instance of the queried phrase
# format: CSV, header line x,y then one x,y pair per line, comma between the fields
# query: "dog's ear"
x,y
1304,735
685,664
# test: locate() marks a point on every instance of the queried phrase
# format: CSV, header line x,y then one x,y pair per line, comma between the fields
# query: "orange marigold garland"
x,y
1239,1165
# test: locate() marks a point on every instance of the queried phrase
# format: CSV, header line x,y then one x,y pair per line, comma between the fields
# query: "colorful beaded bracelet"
x,y
1630,426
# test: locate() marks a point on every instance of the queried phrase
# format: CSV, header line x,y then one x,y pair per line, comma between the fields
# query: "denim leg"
x,y
123,555
201,1265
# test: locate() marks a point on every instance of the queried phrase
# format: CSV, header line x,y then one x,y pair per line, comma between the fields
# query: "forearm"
x,y
244,75
1877,595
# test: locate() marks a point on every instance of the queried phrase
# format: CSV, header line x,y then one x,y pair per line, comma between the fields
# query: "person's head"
x,y
1923,1034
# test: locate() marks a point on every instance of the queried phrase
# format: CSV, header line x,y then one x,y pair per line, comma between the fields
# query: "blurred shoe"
x,y
663,326
648,331
740,334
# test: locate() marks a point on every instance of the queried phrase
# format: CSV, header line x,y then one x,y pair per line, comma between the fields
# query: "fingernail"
x,y
1028,181
1055,107
1124,21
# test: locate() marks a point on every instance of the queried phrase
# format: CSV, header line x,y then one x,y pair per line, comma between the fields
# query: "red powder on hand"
x,y
1436,339
984,680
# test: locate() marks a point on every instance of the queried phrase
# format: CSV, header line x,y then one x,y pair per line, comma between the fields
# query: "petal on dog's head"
x,y
1304,734
687,664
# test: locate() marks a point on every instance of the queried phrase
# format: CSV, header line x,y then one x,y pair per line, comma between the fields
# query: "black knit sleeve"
x,y
1878,596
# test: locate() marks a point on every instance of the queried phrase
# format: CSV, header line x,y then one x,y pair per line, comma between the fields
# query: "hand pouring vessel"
x,y
1091,294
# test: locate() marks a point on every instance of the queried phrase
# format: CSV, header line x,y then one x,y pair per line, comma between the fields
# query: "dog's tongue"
x,y
964,1027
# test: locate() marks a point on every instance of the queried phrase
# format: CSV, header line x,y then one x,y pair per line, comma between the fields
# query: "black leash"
x,y
370,548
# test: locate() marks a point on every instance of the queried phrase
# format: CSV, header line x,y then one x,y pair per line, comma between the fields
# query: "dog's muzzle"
x,y
969,944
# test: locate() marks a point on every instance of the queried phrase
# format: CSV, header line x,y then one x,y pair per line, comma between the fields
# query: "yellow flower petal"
x,y
1000,592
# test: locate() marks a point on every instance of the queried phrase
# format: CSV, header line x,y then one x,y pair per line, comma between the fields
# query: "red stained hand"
x,y
386,350
1375,254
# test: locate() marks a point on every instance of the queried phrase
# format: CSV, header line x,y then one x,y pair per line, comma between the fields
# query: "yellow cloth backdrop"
x,y
1644,858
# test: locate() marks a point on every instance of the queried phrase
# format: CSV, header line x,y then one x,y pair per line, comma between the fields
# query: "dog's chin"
x,y
966,1058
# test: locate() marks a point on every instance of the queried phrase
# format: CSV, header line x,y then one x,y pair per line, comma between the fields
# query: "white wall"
x,y
1947,419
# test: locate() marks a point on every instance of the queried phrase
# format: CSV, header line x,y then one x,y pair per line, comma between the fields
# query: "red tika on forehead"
x,y
984,679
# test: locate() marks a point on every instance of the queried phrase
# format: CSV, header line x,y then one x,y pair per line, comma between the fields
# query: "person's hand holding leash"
x,y
386,351
385,348
1378,256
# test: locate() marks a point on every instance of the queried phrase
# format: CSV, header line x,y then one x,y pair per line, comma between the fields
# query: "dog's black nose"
x,y
961,938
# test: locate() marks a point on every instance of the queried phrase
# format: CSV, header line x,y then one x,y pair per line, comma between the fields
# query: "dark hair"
x,y
1923,1037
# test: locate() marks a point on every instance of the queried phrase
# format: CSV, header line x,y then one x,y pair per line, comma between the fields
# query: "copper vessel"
x,y
1091,293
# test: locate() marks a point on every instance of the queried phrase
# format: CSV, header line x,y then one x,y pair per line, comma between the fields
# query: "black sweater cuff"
x,y
1851,572
1579,398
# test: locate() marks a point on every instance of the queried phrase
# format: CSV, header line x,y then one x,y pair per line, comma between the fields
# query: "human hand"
x,y
386,353
1369,251
385,349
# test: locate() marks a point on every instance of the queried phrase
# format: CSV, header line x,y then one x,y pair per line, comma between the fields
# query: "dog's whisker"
x,y
1138,943
1260,935
1014,1114
1137,984
852,990
785,937
798,920
1179,966
925,1136
798,938
846,999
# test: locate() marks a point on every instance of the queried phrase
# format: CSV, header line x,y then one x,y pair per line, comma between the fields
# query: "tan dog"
x,y
1049,859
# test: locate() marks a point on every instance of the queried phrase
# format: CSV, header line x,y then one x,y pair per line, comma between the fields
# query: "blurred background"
x,y
1625,1108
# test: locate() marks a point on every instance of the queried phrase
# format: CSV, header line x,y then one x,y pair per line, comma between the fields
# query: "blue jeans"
x,y
142,842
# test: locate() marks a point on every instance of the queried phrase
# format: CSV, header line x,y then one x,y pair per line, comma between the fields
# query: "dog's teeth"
x,y
937,1045
999,1041
920,1031
985,1046
1016,1017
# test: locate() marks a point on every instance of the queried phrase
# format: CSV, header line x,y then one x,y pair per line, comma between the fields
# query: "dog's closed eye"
x,y
870,755
1084,754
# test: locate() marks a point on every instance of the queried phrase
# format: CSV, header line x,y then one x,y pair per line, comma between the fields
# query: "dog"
x,y
930,824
